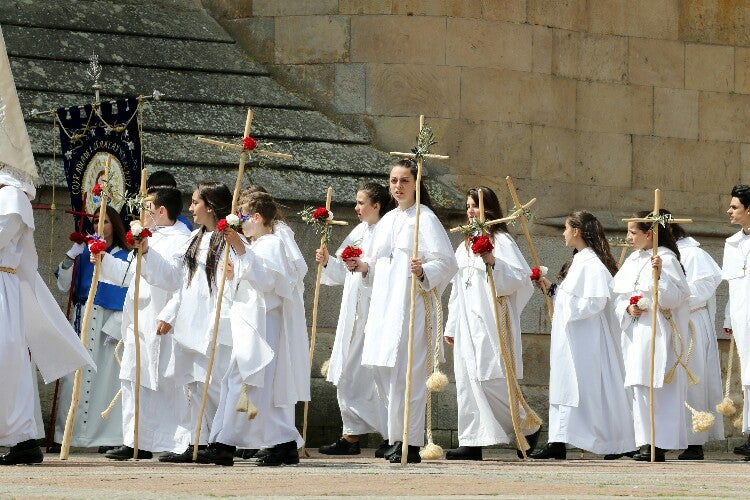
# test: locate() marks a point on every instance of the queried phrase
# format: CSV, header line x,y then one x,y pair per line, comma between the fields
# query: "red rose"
x,y
634,299
536,273
222,225
129,238
96,190
351,252
77,237
97,247
321,213
249,143
481,244
145,233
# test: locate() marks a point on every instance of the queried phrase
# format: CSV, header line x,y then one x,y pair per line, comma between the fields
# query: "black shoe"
x,y
104,449
245,453
532,439
25,452
465,453
412,456
380,452
743,449
615,456
126,452
693,452
54,448
186,457
392,450
217,453
340,447
551,450
281,454
261,453
645,455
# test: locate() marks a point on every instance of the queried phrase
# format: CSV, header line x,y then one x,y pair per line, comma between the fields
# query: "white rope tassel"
x,y
702,420
727,407
113,403
431,451
245,405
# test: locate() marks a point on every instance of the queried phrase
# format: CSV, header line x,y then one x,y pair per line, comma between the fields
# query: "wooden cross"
x,y
419,153
70,420
653,218
620,243
532,251
510,372
237,185
316,298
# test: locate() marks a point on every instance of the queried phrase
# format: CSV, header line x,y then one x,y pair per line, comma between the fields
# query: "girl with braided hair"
x,y
589,407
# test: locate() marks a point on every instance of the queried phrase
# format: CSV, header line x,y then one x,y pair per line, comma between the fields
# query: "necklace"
x,y
470,272
638,276
745,254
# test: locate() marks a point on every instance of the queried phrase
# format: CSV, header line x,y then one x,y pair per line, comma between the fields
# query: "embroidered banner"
x,y
88,136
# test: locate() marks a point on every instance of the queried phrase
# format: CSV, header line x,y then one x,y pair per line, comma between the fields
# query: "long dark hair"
x,y
665,236
593,235
378,193
218,198
492,208
118,229
424,195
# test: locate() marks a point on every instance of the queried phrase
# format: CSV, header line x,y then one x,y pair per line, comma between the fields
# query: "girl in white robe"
x,y
736,270
193,275
589,406
269,362
390,266
484,416
635,279
362,410
703,277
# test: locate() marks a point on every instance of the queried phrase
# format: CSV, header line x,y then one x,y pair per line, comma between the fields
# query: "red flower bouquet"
x,y
249,143
96,244
350,252
481,244
321,214
634,299
136,233
222,225
77,237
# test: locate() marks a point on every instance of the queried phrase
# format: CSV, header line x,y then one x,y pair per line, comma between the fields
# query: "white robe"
x,y
736,270
267,354
635,278
32,320
703,277
589,406
362,410
481,388
387,328
163,408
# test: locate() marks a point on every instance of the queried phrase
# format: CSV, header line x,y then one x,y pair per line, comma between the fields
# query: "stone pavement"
x,y
89,475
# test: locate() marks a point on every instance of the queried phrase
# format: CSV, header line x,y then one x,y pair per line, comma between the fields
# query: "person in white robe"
x,y
32,322
97,388
703,275
589,406
162,405
390,266
633,280
269,368
736,270
362,409
484,416
193,276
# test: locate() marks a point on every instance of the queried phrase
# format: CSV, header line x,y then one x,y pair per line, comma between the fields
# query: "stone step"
x,y
212,119
180,85
160,19
114,48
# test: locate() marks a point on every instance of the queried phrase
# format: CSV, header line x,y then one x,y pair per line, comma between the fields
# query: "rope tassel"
x,y
431,451
702,420
726,407
245,405
677,337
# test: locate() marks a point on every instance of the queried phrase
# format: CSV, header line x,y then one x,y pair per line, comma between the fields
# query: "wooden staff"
x,y
71,419
136,335
316,297
653,220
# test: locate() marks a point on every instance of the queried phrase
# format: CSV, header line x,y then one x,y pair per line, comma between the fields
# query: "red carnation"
x,y
536,273
481,244
634,299
321,213
351,252
129,238
222,225
97,247
96,190
249,143
77,237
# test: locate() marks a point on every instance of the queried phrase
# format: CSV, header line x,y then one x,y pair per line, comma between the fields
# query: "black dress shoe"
x,y
281,454
261,453
645,455
551,450
54,448
743,449
380,452
412,456
104,449
532,439
340,447
126,452
245,453
615,456
392,450
217,453
465,453
186,457
25,452
693,452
